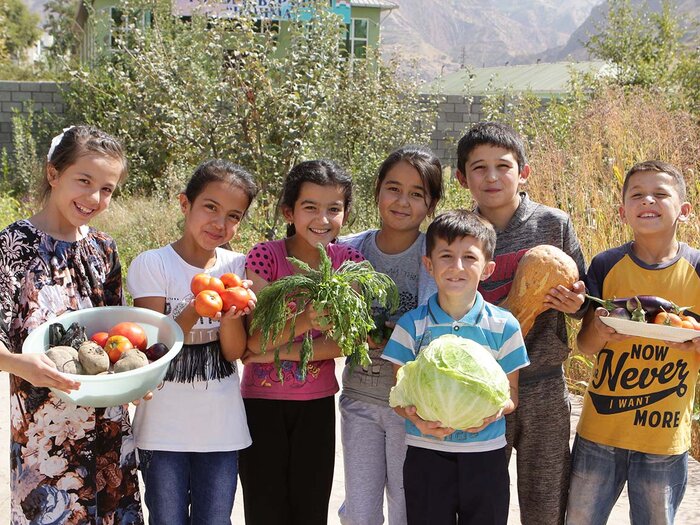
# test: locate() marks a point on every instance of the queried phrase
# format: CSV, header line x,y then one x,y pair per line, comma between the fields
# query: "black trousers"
x,y
287,473
448,488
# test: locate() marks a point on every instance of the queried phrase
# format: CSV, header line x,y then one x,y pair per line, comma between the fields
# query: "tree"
x,y
20,27
645,46
60,24
182,90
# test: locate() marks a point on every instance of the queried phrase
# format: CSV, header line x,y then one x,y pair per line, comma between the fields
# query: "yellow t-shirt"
x,y
641,394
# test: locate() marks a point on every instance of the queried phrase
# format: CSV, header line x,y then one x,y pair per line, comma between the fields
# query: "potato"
x,y
66,359
93,358
130,360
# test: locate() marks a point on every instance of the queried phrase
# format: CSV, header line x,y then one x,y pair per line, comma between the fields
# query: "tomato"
x,y
694,323
100,338
208,303
133,332
687,324
203,281
237,297
231,280
116,345
668,319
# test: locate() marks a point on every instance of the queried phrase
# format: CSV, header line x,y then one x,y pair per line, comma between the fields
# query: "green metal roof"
x,y
542,79
381,4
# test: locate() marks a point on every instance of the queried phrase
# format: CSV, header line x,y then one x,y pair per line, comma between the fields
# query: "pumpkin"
x,y
541,268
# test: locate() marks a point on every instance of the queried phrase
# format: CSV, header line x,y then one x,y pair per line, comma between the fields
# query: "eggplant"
x,y
620,313
652,305
610,304
638,313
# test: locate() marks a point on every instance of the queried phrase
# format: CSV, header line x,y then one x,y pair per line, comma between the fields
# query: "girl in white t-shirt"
x,y
188,436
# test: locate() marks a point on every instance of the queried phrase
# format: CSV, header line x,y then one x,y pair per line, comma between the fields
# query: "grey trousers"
x,y
374,449
539,430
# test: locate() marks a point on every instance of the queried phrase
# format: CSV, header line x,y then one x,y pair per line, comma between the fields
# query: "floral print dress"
x,y
69,464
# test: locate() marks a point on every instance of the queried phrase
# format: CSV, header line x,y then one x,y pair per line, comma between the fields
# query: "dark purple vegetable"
x,y
638,313
620,313
610,304
652,305
156,351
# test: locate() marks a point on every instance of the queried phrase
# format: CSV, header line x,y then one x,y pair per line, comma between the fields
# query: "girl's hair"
x,y
322,172
425,163
219,170
76,142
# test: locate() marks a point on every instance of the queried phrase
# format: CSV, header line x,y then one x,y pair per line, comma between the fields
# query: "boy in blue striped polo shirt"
x,y
458,473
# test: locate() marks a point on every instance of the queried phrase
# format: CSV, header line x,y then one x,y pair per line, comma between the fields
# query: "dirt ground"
x,y
689,513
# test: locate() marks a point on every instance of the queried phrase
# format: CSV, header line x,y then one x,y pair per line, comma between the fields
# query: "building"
x,y
105,19
544,80
461,95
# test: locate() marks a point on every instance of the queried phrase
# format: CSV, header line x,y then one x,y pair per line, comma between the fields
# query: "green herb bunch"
x,y
344,297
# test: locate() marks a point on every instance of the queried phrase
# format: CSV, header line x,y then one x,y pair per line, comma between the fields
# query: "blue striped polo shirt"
x,y
492,327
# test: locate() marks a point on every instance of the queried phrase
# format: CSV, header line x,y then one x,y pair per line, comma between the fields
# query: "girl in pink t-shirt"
x,y
288,471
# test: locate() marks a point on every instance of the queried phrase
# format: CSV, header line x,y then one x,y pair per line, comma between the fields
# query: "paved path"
x,y
689,512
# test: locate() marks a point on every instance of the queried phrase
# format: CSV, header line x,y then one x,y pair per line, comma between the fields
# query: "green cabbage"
x,y
453,380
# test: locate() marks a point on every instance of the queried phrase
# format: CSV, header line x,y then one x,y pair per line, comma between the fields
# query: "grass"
x,y
578,169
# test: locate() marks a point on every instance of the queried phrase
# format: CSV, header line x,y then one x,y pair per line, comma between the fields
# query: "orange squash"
x,y
541,268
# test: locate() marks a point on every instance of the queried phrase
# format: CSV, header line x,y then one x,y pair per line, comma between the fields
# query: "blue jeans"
x,y
189,488
655,484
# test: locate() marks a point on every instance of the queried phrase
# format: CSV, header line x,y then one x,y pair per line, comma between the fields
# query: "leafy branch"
x,y
345,297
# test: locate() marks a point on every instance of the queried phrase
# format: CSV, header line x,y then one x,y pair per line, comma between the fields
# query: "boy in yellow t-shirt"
x,y
635,424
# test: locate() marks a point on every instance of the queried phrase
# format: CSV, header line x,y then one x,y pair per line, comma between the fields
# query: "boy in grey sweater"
x,y
492,165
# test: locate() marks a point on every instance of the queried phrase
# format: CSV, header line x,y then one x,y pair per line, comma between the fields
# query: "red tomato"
x,y
231,280
100,338
208,303
116,345
132,332
203,281
237,297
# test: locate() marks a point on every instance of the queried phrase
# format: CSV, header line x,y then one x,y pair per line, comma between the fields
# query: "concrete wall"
x,y
15,96
456,114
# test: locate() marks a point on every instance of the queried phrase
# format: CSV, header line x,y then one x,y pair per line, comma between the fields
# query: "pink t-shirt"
x,y
260,381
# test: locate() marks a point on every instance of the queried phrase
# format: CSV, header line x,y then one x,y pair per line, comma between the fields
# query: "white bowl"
x,y
113,389
650,330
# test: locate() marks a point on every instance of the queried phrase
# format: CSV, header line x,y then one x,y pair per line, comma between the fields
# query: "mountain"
x,y
442,35
685,10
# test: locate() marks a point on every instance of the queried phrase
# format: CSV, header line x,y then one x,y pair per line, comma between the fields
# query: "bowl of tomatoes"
x,y
121,325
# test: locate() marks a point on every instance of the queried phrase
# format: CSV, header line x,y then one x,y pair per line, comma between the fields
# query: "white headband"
x,y
55,142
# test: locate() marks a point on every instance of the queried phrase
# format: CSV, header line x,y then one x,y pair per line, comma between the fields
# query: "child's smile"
x,y
318,213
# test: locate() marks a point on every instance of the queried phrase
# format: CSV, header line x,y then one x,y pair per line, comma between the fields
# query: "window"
x,y
357,37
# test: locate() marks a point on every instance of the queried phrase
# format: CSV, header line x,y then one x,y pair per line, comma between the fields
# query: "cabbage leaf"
x,y
453,380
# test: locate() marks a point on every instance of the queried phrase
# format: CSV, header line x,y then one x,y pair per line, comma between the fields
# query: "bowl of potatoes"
x,y
116,373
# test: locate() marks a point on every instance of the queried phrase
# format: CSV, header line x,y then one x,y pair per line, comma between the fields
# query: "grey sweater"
x,y
533,224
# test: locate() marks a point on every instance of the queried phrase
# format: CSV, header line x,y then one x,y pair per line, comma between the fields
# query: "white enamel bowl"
x,y
113,389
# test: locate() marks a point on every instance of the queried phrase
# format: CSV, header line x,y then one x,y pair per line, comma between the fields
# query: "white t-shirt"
x,y
199,416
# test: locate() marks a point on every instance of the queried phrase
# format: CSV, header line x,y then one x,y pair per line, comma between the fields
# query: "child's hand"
x,y
429,428
563,299
235,313
688,346
318,321
606,332
376,344
507,409
146,397
40,371
251,357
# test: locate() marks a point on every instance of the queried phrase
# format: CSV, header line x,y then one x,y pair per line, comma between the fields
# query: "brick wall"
x,y
16,95
456,114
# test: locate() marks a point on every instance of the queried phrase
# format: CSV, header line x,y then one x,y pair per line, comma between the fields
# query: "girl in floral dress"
x,y
69,464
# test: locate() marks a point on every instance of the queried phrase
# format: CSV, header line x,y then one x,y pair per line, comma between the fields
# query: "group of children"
x,y
206,426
